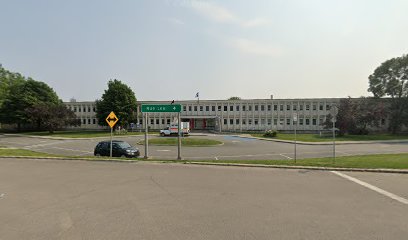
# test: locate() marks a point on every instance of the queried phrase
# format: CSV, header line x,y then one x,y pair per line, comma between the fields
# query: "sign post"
x,y
334,111
162,108
295,120
111,120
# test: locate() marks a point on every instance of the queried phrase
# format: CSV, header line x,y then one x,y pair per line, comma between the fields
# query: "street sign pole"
x,y
334,140
179,139
111,143
295,119
146,138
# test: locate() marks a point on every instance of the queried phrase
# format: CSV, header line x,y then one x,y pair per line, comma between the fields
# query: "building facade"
x,y
229,115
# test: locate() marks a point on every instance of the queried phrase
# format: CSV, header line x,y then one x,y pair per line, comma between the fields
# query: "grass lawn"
x,y
23,152
392,161
172,141
80,134
317,138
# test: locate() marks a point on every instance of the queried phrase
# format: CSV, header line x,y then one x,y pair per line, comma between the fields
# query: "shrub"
x,y
270,133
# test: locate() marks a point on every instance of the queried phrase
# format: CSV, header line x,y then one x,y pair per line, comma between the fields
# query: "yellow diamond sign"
x,y
112,119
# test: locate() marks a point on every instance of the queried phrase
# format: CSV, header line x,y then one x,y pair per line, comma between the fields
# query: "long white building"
x,y
229,115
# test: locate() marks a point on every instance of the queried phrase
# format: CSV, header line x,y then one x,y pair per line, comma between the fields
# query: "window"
x,y
244,121
219,108
301,107
314,107
262,121
89,109
79,109
327,107
225,108
243,107
151,121
157,121
294,107
168,121
256,107
163,121
237,121
195,108
280,121
225,121
207,108
314,121
281,107
89,121
287,121
256,121
231,108
382,121
75,109
189,108
84,121
269,121
231,121
237,108
301,121
201,108
94,121
141,121
321,107
250,121
321,120
213,108
250,108
275,121
287,107
307,121
275,107
94,109
262,107
184,108
307,107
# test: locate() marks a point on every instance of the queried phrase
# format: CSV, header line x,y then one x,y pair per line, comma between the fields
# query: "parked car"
x,y
119,149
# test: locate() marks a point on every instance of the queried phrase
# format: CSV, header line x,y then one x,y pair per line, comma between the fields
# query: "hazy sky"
x,y
171,49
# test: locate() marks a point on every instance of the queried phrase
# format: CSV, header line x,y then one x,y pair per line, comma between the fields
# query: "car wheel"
x,y
162,134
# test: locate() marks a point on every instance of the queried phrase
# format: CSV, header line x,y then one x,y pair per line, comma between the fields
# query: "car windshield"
x,y
124,145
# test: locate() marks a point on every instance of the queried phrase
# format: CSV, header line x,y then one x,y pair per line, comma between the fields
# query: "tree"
x,y
118,98
234,98
51,117
23,95
390,80
7,79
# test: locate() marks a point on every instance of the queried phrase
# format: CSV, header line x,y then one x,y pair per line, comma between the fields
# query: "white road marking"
x,y
372,187
2,195
216,158
285,156
235,141
164,150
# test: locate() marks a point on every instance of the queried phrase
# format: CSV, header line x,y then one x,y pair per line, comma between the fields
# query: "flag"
x,y
197,94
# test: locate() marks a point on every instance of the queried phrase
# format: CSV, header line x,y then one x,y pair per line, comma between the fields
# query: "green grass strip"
x,y
328,138
172,141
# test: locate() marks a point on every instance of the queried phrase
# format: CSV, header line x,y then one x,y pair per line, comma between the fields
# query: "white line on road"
x,y
372,187
163,150
216,158
285,156
2,195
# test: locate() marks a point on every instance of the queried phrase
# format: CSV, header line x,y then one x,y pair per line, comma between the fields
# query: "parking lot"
x,y
66,199
234,147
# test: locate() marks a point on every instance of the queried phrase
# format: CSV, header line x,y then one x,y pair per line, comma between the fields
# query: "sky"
x,y
172,49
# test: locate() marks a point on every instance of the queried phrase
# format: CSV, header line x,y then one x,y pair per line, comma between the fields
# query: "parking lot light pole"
x,y
146,156
179,138
295,120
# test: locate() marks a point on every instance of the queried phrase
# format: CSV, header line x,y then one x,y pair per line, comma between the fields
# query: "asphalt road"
x,y
62,199
233,148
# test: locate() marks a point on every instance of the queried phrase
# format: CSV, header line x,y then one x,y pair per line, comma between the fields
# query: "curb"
x,y
66,138
380,170
324,143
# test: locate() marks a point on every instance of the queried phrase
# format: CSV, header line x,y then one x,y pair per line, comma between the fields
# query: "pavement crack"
x,y
161,186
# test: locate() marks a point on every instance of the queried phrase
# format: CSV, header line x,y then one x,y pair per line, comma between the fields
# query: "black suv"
x,y
119,149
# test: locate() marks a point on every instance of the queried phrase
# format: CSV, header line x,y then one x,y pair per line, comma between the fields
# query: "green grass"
x,y
392,161
79,134
23,152
317,138
172,141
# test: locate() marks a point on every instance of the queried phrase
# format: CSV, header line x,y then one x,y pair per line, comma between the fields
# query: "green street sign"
x,y
162,108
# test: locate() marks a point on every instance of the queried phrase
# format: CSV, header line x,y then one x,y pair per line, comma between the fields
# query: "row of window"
x,y
256,107
88,121
281,121
82,108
